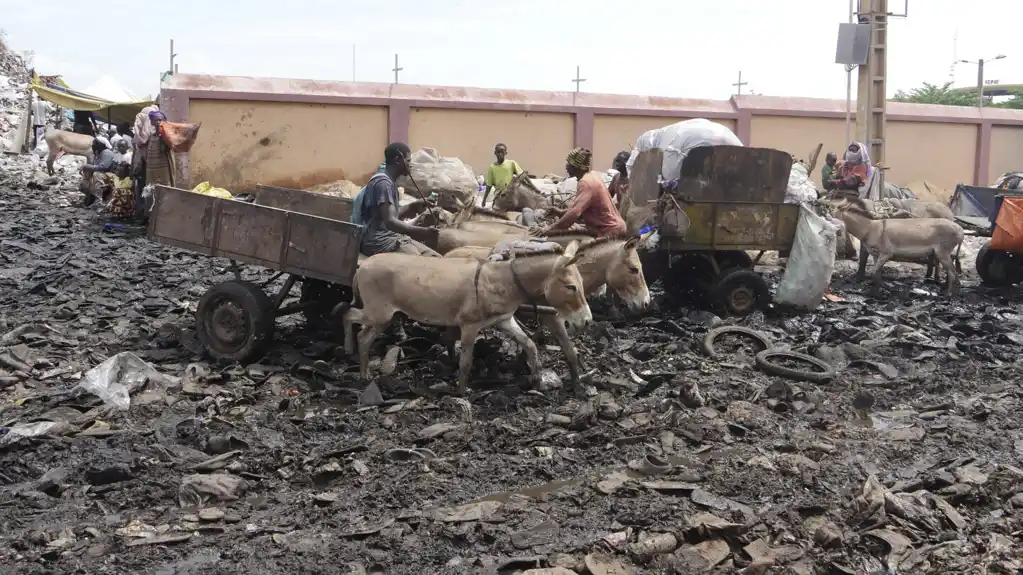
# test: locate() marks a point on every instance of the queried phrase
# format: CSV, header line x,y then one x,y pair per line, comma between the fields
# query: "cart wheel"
x,y
733,259
999,268
739,292
235,321
326,295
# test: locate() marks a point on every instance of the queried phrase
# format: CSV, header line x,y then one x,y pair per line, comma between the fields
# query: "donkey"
x,y
464,293
605,262
912,239
521,193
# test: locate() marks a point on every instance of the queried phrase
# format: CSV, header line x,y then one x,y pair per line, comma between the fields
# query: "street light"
x,y
980,77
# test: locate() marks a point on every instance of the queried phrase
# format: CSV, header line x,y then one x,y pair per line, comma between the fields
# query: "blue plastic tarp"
x,y
971,201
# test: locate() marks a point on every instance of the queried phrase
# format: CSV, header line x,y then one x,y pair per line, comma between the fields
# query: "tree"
x,y
943,95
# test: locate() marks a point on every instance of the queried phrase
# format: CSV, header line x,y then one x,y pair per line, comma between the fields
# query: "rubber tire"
x,y
763,360
327,295
760,337
984,258
734,279
733,259
258,310
999,268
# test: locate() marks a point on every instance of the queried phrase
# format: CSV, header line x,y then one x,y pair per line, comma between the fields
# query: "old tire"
x,y
999,268
733,259
761,338
324,297
740,292
235,321
823,372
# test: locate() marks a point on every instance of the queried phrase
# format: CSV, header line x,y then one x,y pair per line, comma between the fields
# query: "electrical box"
x,y
853,44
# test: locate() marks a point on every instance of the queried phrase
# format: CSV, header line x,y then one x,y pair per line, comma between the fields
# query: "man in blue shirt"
x,y
382,230
96,181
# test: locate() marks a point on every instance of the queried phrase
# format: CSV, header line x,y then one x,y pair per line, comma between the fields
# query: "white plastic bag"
x,y
118,377
811,262
800,188
678,139
449,178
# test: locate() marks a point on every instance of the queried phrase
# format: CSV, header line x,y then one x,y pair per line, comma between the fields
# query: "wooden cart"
x,y
235,319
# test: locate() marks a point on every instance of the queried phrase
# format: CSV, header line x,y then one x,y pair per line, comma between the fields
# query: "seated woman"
x,y
97,177
855,168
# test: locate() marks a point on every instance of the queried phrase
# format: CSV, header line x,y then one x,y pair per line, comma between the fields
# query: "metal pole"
x,y
980,83
848,89
171,68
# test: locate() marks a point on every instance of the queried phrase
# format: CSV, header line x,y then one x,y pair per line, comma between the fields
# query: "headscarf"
x,y
157,115
580,158
860,157
143,128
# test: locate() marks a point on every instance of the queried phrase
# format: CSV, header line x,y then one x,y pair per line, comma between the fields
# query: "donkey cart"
x,y
728,200
235,319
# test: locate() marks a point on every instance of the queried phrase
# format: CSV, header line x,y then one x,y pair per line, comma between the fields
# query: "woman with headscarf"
x,y
143,130
158,158
856,168
592,204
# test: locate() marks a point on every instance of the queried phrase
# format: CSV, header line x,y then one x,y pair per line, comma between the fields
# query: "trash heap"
x,y
13,91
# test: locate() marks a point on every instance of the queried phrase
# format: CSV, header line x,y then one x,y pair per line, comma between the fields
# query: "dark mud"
x,y
907,462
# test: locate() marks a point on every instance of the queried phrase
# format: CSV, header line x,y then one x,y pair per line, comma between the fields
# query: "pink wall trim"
x,y
400,99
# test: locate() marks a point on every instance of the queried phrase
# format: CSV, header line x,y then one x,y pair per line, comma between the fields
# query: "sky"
x,y
676,48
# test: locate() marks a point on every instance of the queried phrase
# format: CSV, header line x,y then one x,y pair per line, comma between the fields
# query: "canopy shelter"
x,y
55,91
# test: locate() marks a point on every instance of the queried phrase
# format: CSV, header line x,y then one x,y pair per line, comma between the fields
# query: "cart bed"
x,y
287,241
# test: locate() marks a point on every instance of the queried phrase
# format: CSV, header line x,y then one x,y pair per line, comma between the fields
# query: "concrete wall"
x,y
298,133
1006,151
538,141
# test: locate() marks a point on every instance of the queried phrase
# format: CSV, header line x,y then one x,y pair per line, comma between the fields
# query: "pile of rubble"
x,y
13,93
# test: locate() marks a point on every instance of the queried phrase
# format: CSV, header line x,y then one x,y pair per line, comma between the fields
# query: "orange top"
x,y
592,205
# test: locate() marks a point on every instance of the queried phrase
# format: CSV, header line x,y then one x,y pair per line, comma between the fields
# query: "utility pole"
x,y
171,69
980,76
871,99
578,80
396,69
738,85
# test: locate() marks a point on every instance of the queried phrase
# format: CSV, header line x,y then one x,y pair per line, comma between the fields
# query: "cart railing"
x,y
303,202
731,225
287,241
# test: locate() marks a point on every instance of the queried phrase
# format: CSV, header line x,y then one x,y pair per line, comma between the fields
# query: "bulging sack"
x,y
811,262
450,178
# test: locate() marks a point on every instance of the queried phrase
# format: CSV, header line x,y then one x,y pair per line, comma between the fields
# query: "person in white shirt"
x,y
39,110
123,151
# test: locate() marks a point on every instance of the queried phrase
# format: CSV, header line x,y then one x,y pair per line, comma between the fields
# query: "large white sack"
x,y
678,139
800,188
449,178
811,262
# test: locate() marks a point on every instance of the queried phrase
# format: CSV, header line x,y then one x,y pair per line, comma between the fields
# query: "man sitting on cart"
x,y
592,204
383,231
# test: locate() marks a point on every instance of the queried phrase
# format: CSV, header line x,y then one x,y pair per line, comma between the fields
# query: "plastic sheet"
x,y
678,139
118,377
811,262
1008,232
208,190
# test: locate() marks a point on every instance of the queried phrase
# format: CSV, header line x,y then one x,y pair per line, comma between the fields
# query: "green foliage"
x,y
945,95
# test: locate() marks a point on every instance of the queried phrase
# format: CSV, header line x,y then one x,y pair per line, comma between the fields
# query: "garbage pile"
x,y
13,92
705,445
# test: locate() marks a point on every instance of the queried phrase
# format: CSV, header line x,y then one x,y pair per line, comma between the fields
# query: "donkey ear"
x,y
571,249
632,243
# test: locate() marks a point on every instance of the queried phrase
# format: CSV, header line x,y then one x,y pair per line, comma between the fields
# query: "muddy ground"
x,y
907,462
